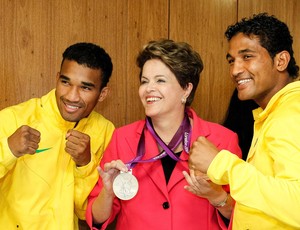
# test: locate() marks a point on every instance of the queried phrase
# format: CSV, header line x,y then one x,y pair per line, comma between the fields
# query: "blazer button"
x,y
166,205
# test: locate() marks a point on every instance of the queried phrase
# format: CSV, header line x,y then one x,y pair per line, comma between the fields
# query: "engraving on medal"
x,y
125,186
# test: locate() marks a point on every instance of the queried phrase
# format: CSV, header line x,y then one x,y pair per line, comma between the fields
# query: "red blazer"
x,y
158,205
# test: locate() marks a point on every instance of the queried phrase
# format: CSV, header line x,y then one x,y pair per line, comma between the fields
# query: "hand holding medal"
x,y
118,177
125,185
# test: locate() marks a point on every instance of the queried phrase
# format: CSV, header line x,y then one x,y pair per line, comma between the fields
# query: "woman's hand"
x,y
201,185
109,172
102,206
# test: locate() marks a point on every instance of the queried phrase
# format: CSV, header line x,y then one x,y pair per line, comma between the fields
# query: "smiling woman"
x,y
160,93
155,152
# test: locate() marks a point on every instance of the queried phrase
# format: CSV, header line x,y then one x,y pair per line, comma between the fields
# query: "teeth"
x,y
72,107
243,81
151,99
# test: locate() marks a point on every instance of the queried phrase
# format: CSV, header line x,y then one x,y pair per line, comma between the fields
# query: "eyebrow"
x,y
83,82
156,76
61,76
240,52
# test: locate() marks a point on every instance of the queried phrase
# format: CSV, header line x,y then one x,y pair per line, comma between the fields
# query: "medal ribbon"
x,y
182,134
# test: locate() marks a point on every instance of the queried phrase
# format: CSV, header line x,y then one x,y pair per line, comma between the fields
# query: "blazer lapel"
x,y
153,169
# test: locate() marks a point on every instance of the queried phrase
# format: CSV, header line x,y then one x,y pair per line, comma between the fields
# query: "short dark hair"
x,y
273,34
92,56
183,61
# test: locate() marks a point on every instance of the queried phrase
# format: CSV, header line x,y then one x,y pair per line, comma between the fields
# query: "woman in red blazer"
x,y
143,173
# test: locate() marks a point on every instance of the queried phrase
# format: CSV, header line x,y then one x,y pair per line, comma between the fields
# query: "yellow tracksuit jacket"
x,y
267,188
46,190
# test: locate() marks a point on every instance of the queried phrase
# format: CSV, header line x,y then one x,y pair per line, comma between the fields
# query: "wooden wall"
x,y
35,33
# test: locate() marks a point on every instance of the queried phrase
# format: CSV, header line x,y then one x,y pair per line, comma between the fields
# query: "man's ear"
x,y
282,60
103,94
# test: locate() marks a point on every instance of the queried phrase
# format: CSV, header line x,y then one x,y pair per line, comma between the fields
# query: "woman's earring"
x,y
183,100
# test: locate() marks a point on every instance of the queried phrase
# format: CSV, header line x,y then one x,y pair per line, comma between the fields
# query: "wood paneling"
x,y
202,24
25,69
35,33
147,20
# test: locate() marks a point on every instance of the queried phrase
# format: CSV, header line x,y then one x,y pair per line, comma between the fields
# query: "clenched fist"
x,y
25,140
78,146
202,153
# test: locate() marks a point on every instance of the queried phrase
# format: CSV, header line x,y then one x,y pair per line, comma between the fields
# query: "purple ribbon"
x,y
183,134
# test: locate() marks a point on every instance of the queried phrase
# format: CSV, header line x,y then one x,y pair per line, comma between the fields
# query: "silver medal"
x,y
125,186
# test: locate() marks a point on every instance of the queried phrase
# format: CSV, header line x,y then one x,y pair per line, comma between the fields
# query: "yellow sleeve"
x,y
276,197
7,159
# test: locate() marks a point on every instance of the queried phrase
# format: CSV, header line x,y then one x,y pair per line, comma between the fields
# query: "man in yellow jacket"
x,y
267,186
50,146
